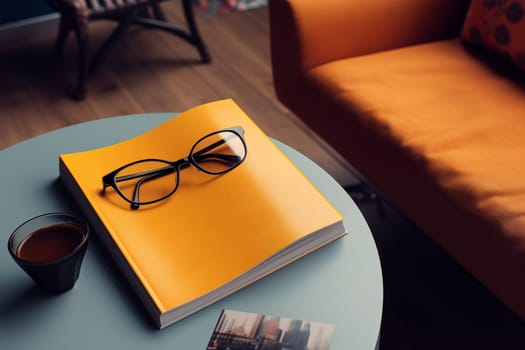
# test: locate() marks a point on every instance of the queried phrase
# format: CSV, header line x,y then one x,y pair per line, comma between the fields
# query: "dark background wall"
x,y
16,10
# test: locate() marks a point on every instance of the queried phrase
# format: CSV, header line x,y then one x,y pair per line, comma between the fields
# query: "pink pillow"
x,y
499,26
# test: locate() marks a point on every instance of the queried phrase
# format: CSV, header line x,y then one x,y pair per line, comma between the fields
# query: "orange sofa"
x,y
437,128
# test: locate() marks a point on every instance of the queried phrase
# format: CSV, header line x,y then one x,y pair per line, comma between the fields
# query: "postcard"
x,y
238,330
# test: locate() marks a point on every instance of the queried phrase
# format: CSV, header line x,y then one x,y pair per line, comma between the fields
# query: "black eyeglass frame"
x,y
111,179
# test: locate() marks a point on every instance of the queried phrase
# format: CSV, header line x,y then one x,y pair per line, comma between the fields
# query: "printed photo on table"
x,y
237,330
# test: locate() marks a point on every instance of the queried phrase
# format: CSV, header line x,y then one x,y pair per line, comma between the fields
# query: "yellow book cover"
x,y
216,233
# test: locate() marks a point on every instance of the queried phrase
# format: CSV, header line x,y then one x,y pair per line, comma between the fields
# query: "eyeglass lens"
x,y
149,181
219,152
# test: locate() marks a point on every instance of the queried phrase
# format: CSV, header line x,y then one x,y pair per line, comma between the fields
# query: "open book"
x,y
216,233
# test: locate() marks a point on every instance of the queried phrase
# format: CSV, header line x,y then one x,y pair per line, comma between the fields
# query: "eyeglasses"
x,y
149,181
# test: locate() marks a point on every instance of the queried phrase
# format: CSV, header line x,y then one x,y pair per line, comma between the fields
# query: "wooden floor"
x,y
151,71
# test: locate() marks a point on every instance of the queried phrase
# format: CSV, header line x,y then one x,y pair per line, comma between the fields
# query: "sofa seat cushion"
x,y
444,138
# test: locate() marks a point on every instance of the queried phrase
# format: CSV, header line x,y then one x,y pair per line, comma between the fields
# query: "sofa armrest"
x,y
307,33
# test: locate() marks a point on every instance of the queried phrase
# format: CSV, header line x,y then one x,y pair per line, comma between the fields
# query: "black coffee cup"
x,y
50,249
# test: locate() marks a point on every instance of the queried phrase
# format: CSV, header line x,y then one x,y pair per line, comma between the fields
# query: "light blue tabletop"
x,y
339,284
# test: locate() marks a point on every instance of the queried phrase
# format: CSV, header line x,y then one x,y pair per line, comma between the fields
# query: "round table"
x,y
339,284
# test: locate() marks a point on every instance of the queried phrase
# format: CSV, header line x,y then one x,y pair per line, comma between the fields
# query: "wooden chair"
x,y
76,14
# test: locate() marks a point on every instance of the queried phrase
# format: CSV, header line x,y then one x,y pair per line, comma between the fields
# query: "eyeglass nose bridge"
x,y
187,162
182,163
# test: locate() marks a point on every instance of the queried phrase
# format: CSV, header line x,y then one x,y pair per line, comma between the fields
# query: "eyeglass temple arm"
x,y
167,170
157,172
154,174
149,177
227,158
170,169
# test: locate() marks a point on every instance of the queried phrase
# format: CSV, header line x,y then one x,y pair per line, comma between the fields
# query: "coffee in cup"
x,y
50,248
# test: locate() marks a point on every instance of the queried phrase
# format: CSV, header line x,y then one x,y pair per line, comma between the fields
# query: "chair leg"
x,y
192,26
112,39
63,30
